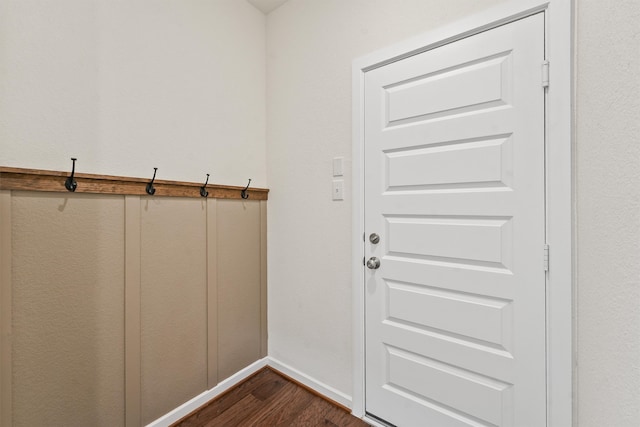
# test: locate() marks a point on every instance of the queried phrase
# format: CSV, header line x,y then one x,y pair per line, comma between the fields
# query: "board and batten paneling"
x,y
174,303
67,310
239,285
115,309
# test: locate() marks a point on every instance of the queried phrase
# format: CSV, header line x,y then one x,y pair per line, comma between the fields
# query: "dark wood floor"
x,y
269,399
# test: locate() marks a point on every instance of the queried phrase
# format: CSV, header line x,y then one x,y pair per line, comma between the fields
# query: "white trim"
x,y
193,404
324,389
560,176
491,18
357,247
560,215
373,422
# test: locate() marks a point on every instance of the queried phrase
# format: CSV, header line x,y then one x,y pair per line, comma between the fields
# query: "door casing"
x,y
559,177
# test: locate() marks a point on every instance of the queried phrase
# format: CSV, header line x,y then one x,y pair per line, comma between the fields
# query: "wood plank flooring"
x,y
269,399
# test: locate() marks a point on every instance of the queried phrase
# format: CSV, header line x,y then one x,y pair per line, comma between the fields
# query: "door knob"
x,y
373,263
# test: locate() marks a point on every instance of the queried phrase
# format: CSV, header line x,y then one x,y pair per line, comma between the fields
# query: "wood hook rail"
x,y
22,179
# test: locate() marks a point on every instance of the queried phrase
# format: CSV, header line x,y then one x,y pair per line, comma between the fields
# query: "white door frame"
x,y
559,188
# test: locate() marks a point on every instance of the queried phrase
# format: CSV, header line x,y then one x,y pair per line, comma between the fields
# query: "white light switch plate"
x,y
338,166
338,189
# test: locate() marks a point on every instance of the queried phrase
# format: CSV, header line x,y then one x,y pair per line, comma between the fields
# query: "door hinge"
x,y
546,258
545,73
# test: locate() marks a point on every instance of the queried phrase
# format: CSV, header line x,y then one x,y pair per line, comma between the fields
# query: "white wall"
x,y
608,212
310,48
311,45
129,85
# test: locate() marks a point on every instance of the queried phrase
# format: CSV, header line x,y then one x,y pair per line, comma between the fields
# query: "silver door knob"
x,y
374,238
373,263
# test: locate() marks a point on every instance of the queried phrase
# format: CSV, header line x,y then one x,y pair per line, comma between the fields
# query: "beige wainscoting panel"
x,y
212,293
173,303
115,310
263,279
239,283
133,392
68,309
5,308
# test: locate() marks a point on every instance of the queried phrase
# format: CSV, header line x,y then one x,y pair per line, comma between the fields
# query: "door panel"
x,y
486,319
456,165
436,94
476,395
454,185
470,240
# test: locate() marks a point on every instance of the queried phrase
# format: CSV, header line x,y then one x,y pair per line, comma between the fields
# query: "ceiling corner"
x,y
266,6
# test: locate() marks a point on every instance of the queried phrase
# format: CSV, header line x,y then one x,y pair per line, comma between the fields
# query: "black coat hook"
x,y
71,183
203,189
244,194
150,190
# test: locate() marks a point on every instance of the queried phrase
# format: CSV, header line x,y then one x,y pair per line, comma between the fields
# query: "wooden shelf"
x,y
43,180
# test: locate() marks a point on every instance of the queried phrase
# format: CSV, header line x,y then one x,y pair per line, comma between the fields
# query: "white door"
x,y
454,187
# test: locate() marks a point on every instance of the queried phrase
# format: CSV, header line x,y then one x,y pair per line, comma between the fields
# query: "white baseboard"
x,y
193,404
190,406
325,390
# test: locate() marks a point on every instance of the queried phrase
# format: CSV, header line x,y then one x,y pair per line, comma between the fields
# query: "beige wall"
x,y
310,48
126,86
125,307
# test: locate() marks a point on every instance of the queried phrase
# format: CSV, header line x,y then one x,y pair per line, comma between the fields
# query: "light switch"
x,y
338,189
338,166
